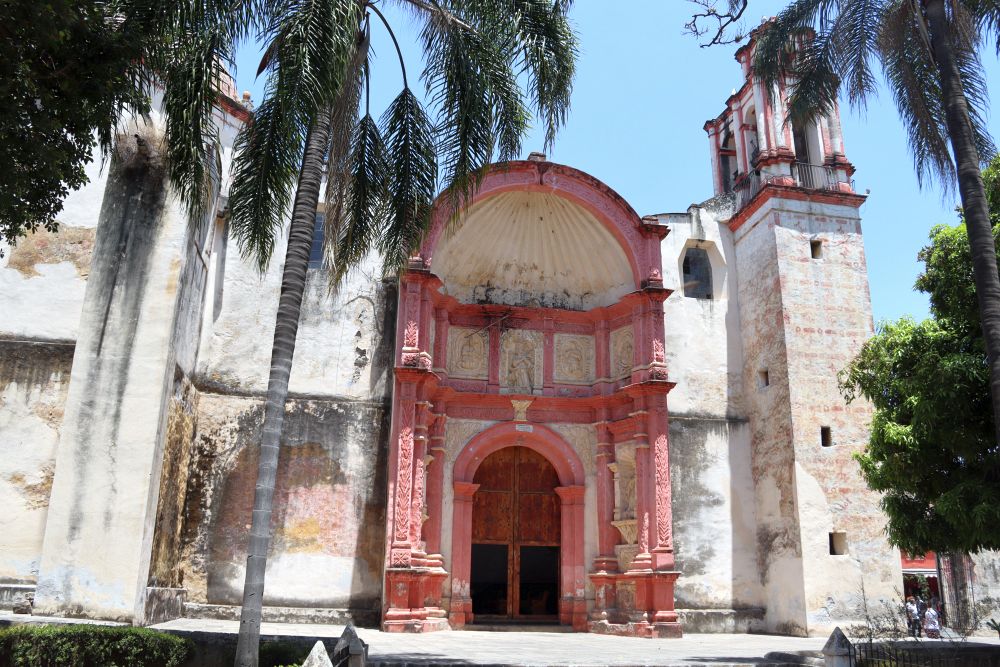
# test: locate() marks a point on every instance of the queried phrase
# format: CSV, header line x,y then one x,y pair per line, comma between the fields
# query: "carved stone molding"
x,y
521,409
628,529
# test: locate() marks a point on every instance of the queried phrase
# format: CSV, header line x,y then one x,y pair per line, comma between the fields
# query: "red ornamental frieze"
x,y
410,334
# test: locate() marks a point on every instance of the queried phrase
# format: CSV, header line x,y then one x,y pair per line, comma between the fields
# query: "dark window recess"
x,y
825,437
763,379
697,270
838,544
319,235
488,587
816,249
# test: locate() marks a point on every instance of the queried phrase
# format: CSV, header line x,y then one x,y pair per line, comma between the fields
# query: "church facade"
x,y
560,412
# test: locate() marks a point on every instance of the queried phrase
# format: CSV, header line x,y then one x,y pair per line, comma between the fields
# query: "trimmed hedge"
x,y
90,646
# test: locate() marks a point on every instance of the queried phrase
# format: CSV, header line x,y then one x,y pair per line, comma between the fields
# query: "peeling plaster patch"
x,y
70,244
35,489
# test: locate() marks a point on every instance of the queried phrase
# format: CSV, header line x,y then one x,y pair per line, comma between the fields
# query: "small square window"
x,y
825,436
838,544
763,379
816,249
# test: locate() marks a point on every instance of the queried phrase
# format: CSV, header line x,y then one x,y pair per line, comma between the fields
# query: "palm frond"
x,y
913,81
366,208
314,41
466,128
412,159
343,127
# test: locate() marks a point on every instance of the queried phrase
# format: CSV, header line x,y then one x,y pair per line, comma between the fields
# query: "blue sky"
x,y
642,93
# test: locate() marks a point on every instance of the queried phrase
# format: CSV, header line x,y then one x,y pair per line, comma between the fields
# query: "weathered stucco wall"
x,y
34,381
772,455
713,491
326,549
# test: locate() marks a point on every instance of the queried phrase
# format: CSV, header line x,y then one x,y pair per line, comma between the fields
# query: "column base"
x,y
414,603
638,603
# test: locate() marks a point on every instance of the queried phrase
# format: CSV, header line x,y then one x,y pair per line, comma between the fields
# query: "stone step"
x,y
517,627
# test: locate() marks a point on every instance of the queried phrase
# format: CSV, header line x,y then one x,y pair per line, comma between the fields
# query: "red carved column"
x,y
420,438
548,357
493,385
440,338
663,558
460,611
435,486
572,600
607,536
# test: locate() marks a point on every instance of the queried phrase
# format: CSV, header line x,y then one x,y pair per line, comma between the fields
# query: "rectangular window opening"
x,y
319,235
825,436
763,378
838,544
816,249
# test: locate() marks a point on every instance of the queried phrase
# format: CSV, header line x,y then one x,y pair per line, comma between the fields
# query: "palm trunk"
x,y
293,282
974,203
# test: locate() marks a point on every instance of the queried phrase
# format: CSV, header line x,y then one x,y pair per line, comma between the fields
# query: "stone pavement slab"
x,y
535,649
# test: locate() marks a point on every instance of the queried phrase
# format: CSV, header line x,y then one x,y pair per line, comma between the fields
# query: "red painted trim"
x,y
540,438
794,193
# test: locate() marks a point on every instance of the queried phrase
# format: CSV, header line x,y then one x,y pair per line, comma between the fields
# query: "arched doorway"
x,y
515,538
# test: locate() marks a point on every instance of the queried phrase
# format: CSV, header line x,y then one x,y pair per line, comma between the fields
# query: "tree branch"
x,y
718,21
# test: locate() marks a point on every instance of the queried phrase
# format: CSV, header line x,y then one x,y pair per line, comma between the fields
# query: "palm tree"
x,y
381,177
928,51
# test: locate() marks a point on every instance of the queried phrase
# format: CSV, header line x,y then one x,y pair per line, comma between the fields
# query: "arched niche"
x,y
539,234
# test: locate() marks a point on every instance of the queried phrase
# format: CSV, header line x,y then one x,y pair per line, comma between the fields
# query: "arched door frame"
x,y
569,468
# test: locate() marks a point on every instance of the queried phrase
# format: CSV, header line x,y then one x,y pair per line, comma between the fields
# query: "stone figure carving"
x,y
521,361
574,358
522,366
467,353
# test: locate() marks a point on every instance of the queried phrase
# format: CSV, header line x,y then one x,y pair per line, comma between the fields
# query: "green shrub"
x,y
90,646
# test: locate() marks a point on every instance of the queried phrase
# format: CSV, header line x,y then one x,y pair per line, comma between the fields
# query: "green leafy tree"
x,y
932,453
315,124
928,53
72,71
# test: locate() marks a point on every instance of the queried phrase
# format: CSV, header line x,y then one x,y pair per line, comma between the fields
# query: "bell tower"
x,y
753,144
804,313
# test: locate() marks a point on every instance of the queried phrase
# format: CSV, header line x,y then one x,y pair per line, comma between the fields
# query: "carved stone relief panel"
x,y
622,345
574,359
468,353
521,362
583,438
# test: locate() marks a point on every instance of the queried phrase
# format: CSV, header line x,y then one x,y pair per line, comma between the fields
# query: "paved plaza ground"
x,y
536,649
517,648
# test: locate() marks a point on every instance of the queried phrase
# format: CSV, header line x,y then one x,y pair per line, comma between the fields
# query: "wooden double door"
x,y
515,538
